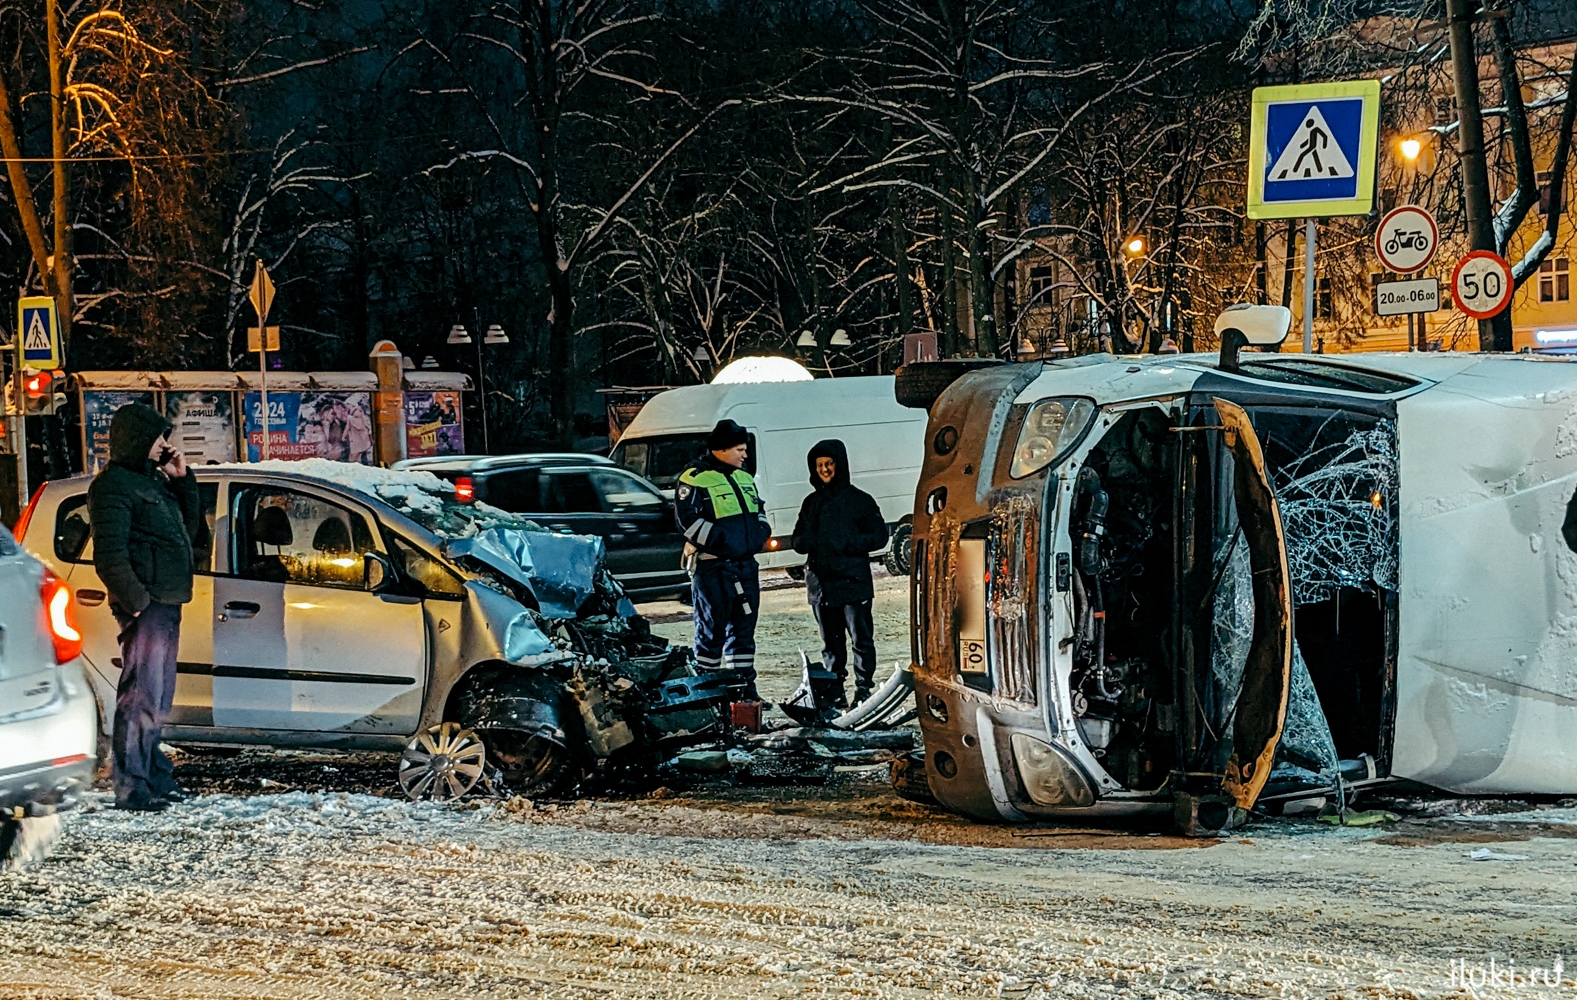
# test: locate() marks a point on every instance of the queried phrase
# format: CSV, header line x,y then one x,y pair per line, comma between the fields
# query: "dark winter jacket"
x,y
839,527
719,510
143,521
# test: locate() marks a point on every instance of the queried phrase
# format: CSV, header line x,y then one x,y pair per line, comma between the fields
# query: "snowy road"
x,y
338,895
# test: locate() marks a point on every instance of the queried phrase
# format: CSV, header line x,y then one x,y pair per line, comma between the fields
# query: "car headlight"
x,y
1051,427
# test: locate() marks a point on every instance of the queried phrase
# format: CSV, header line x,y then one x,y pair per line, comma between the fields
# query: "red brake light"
x,y
27,515
464,489
62,618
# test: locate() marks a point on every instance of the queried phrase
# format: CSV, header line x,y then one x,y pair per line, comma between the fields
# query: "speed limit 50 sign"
x,y
1481,284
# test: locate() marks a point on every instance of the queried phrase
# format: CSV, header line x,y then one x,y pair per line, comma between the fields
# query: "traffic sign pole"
x,y
262,296
1310,235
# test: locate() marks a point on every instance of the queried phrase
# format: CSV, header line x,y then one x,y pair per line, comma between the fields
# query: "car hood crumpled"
x,y
560,570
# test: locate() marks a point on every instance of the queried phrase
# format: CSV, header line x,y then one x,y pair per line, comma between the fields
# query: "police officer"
x,y
839,526
145,514
722,518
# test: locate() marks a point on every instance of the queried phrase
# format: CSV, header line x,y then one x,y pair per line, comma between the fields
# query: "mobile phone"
x,y
165,456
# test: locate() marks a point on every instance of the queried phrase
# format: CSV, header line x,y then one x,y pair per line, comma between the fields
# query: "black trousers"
x,y
726,596
148,644
839,621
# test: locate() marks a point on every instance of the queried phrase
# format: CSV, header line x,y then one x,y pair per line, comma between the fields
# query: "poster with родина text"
x,y
332,425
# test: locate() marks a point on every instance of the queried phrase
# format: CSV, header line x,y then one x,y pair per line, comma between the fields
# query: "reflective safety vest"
x,y
720,511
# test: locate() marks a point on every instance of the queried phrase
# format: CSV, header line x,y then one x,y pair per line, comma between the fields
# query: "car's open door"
x,y
1262,701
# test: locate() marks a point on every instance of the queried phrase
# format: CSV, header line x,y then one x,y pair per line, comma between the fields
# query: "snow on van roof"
x,y
762,369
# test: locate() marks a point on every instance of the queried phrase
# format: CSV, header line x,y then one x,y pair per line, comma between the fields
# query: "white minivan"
x,y
885,442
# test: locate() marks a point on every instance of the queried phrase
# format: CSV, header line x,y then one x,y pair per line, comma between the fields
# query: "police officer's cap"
x,y
726,435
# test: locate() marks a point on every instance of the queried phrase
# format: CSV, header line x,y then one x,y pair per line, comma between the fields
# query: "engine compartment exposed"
x,y
1163,596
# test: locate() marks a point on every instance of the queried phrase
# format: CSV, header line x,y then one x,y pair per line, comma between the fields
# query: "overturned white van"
x,y
1201,583
785,419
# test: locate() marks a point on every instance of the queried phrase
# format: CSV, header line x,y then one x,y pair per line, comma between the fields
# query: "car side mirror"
x,y
1245,325
377,572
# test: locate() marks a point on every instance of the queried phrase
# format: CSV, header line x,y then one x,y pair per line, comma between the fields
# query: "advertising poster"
x,y
204,425
332,425
98,406
433,425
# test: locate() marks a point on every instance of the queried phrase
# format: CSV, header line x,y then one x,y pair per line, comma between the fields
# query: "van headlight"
x,y
1050,775
1051,428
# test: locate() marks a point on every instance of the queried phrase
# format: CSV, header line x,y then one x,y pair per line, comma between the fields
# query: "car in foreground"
x,y
1205,584
48,732
580,494
342,606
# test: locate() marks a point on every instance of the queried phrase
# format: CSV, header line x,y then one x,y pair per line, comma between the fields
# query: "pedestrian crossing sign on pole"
x,y
1312,150
38,333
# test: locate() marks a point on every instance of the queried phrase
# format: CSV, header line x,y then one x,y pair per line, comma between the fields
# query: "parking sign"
x,y
1312,150
38,332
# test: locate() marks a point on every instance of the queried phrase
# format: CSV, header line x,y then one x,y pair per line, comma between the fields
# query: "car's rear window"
x,y
74,530
1324,375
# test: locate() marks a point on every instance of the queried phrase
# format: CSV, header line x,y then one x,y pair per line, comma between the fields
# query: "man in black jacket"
x,y
839,527
145,514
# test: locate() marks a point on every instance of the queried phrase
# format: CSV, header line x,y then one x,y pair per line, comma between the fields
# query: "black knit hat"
x,y
726,435
133,429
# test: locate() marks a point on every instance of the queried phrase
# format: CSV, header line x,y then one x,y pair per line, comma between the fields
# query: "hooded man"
x,y
145,514
839,527
723,520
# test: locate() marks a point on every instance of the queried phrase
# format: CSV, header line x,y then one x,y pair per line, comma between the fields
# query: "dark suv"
x,y
583,495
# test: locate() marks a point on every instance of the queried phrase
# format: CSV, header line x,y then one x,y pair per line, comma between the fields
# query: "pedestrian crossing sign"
x,y
38,333
1312,150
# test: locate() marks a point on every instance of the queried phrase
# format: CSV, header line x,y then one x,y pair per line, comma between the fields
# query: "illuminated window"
x,y
1555,280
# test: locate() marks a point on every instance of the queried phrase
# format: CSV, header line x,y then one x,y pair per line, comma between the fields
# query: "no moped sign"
x,y
1407,239
1481,284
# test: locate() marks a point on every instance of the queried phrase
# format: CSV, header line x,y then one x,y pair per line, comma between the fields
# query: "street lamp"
x,y
1410,149
1135,246
429,362
840,338
806,339
495,335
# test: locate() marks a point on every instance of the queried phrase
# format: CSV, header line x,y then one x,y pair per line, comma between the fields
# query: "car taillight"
x,y
464,489
27,515
62,618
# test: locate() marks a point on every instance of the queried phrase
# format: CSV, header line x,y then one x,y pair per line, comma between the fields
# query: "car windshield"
x,y
418,494
1304,371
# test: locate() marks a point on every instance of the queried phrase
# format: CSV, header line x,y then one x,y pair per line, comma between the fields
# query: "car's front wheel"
x,y
531,765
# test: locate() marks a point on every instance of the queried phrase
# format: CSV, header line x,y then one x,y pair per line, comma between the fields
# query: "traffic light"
x,y
42,391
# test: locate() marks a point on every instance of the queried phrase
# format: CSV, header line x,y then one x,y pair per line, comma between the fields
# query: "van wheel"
x,y
918,385
900,554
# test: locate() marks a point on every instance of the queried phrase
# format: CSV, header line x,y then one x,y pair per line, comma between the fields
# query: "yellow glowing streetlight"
x,y
1135,246
1410,149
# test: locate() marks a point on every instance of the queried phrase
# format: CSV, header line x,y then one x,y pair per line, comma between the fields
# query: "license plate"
x,y
970,586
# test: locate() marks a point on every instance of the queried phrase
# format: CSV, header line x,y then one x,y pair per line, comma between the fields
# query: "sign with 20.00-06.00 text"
x,y
1398,298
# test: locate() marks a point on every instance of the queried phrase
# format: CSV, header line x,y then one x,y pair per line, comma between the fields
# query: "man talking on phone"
x,y
145,514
